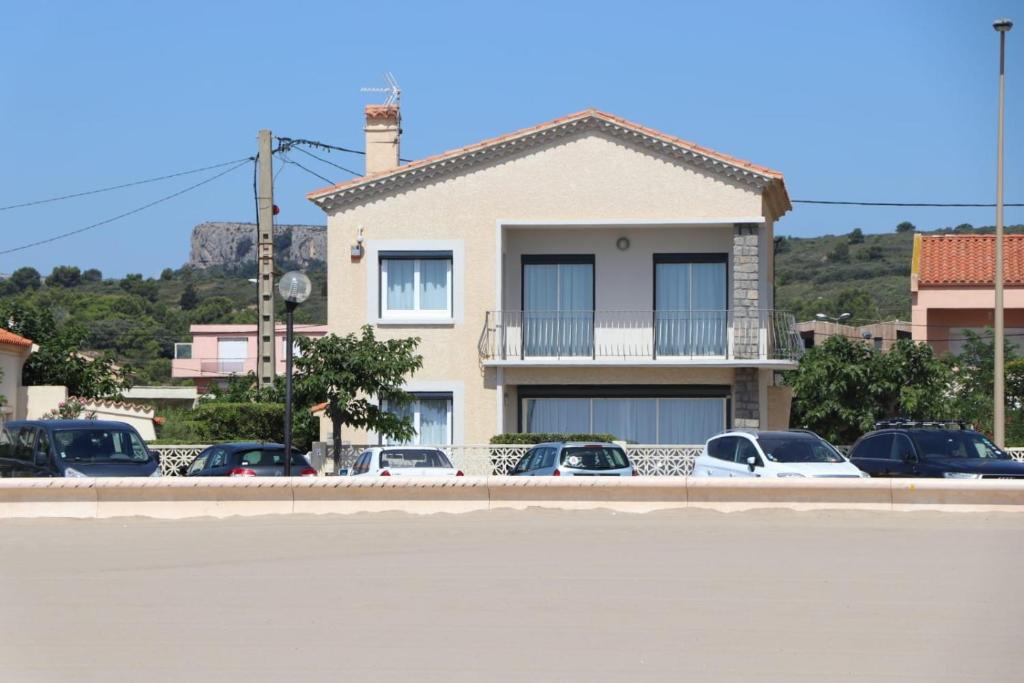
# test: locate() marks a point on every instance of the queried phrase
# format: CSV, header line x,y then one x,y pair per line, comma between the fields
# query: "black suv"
x,y
932,449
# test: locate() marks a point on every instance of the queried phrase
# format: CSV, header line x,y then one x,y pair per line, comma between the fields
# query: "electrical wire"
x,y
314,173
910,204
289,142
331,163
123,185
126,213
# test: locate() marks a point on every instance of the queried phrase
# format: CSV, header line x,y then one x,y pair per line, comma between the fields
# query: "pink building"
x,y
952,289
217,352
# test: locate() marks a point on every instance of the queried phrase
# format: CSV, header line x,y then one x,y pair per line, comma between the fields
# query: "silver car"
x,y
574,459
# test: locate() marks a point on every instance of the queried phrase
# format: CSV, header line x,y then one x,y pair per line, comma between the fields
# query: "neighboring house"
x,y
952,288
139,417
881,335
217,352
587,274
14,351
162,396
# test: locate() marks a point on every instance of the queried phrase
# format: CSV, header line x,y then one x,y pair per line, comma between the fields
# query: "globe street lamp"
x,y
1002,26
294,288
838,319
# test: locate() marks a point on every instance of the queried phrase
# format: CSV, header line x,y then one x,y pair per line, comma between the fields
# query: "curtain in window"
x,y
434,294
689,420
433,421
400,284
559,415
629,419
408,411
558,309
691,314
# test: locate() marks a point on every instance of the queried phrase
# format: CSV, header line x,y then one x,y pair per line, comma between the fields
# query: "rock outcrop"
x,y
234,244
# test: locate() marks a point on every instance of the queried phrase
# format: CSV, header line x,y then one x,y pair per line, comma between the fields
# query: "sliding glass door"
x,y
558,305
691,316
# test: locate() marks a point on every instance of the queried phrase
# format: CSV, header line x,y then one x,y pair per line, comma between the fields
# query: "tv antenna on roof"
x,y
392,89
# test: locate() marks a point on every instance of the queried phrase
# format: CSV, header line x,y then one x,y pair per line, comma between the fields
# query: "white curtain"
x,y
689,420
433,421
672,301
629,419
707,298
400,284
558,309
691,309
559,415
434,295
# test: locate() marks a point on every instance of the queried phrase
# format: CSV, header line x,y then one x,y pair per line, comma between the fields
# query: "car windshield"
x,y
414,457
594,457
92,444
793,448
268,457
943,443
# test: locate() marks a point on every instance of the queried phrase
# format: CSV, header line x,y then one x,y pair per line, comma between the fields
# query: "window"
x,y
723,449
797,448
875,447
416,286
414,457
43,448
218,457
24,444
198,464
746,449
547,457
431,416
902,448
100,445
635,420
231,354
558,305
183,351
362,463
296,351
524,461
690,292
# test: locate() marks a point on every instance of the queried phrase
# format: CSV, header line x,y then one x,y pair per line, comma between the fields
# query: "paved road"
x,y
529,596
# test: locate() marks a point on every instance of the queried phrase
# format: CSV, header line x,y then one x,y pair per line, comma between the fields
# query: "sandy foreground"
x,y
539,595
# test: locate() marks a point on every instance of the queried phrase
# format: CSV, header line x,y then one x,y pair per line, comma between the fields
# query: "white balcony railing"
x,y
744,334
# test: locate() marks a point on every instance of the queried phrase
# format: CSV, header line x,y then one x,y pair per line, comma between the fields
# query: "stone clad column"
x,y
746,323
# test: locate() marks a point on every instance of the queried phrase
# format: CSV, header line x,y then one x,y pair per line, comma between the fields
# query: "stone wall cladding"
x,y
745,290
746,398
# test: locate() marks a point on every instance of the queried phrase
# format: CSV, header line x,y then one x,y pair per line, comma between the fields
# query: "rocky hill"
x,y
233,244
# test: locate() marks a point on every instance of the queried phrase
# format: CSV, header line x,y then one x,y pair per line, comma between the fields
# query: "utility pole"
x,y
266,359
1002,26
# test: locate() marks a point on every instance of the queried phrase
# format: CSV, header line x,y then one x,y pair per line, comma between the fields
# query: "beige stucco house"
x,y
586,274
14,351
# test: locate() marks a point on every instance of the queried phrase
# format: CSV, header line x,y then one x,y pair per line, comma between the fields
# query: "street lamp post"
x,y
295,288
836,320
1002,26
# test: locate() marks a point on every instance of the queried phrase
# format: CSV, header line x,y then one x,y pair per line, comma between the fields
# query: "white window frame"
x,y
426,396
415,312
296,351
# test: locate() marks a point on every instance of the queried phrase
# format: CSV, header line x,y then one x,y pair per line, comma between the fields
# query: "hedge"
x,y
522,438
213,421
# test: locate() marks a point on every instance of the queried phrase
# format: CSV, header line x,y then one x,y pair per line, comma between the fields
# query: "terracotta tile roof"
x,y
969,260
762,170
11,339
381,111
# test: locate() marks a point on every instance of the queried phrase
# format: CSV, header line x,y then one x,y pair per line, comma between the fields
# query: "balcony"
x,y
723,337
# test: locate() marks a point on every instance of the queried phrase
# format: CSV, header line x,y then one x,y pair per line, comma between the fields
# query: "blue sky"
x,y
868,100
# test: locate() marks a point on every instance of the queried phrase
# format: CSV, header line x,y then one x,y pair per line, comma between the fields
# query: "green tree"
x,y
64,276
26,278
856,236
215,309
974,370
905,226
189,299
964,228
356,376
133,283
843,386
167,274
92,275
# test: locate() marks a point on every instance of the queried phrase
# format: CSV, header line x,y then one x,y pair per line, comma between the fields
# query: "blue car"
x,y
74,448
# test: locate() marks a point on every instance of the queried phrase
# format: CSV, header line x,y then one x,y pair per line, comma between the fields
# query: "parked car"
x,y
402,461
74,448
247,459
932,449
757,453
572,459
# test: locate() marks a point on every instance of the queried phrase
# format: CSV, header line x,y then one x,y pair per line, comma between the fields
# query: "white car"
x,y
756,453
402,461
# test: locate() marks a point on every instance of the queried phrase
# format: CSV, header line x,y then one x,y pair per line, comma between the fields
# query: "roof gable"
x,y
967,260
10,339
759,178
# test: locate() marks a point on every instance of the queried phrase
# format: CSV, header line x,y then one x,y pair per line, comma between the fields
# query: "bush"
x,y
214,421
530,439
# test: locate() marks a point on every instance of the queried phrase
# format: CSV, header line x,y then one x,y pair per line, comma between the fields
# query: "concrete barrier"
x,y
178,498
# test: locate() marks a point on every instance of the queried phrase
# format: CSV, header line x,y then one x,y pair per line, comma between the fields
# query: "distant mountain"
x,y
234,244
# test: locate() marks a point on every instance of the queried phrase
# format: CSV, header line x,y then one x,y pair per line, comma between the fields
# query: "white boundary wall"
x,y
178,498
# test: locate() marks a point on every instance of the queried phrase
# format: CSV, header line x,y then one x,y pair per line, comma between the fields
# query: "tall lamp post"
x,y
295,288
838,319
1002,26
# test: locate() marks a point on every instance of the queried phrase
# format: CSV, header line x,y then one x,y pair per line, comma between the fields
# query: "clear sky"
x,y
880,100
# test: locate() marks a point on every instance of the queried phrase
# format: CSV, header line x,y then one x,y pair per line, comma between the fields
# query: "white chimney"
x,y
383,132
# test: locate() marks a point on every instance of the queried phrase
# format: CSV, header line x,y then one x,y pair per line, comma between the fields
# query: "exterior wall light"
x,y
622,243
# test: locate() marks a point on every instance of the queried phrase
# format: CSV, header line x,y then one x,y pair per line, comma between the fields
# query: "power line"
x,y
910,204
314,173
331,163
123,185
127,213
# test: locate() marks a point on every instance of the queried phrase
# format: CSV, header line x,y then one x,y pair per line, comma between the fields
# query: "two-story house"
x,y
586,274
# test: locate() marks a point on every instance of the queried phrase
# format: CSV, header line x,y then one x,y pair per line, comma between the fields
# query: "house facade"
x,y
881,335
14,351
952,288
584,275
218,352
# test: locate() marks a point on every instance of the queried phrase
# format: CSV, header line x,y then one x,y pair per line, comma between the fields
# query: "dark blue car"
x,y
932,450
247,459
74,448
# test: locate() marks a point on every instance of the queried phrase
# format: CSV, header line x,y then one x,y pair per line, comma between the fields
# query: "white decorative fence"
x,y
487,459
